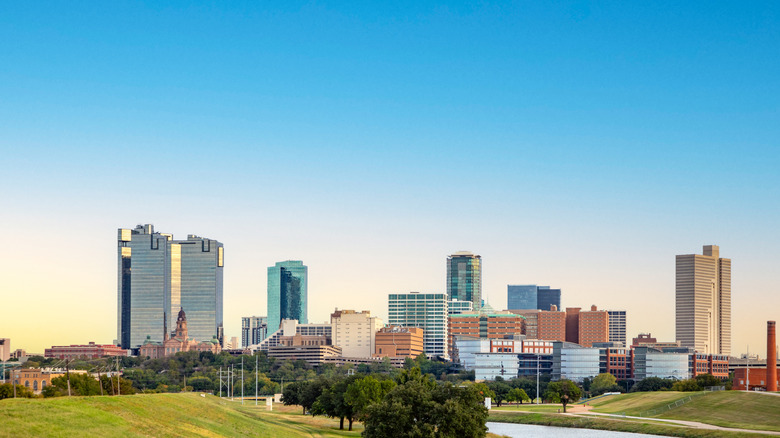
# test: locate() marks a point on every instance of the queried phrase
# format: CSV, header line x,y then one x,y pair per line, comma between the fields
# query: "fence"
x,y
671,406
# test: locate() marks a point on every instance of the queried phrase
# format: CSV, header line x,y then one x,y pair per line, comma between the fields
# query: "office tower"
x,y
287,293
200,288
464,278
593,327
354,332
617,326
455,307
425,311
521,296
531,296
158,275
703,299
547,297
253,330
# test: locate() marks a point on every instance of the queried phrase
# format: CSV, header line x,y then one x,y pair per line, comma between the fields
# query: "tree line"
x,y
410,404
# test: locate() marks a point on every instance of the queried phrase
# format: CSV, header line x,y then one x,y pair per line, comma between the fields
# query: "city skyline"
x,y
578,145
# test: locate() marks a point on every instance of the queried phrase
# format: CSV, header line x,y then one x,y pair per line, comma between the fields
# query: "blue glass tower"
x,y
287,293
531,296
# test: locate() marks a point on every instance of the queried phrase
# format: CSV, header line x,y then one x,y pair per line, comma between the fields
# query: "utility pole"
x,y
100,382
118,382
747,388
67,372
255,379
232,383
538,358
220,381
242,379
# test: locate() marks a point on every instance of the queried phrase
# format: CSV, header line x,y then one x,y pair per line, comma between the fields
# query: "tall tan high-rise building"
x,y
703,319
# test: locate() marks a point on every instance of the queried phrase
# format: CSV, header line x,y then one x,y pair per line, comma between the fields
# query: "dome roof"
x,y
181,313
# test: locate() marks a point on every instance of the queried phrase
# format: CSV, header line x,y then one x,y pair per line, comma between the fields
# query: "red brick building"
x,y
715,364
89,351
757,377
492,325
617,361
551,325
593,326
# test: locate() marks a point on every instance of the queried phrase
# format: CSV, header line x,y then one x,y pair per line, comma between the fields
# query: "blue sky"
x,y
576,144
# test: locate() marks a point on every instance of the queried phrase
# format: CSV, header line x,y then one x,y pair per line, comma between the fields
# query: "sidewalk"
x,y
695,424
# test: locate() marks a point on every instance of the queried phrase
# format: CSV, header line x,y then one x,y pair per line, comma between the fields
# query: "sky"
x,y
572,144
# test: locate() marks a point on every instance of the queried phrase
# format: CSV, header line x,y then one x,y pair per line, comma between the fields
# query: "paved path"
x,y
695,424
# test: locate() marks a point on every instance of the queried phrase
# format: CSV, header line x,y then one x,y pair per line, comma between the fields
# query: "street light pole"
x,y
538,358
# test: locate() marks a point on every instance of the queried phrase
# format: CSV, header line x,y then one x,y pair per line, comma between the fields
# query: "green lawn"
x,y
157,415
731,409
722,408
636,403
599,423
529,408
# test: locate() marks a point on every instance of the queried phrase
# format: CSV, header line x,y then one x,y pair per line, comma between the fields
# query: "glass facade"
x,y
158,275
574,362
547,297
650,362
455,307
426,311
531,296
201,287
287,293
464,278
488,366
521,297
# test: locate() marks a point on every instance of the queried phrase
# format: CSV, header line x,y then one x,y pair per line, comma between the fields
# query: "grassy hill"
x,y
723,408
157,415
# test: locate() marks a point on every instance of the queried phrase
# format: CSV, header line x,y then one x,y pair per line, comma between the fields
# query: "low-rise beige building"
x,y
35,379
393,341
354,332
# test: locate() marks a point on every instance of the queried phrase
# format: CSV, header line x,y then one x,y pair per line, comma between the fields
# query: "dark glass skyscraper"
x,y
464,278
158,275
287,293
531,296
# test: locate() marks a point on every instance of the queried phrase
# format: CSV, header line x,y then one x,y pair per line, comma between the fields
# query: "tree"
x,y
707,380
517,395
604,382
418,407
365,392
200,383
686,385
652,384
331,403
500,389
563,391
292,394
484,391
7,391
